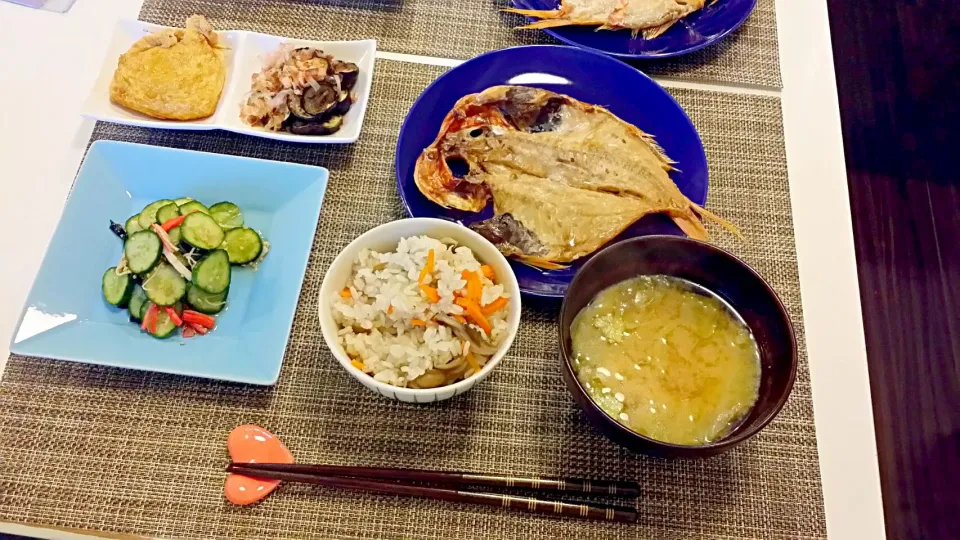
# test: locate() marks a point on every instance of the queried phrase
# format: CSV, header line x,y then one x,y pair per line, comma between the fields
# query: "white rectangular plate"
x,y
243,58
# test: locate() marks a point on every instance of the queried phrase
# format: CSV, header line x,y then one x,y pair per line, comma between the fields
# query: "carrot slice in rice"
x,y
474,313
390,310
427,268
345,293
432,295
488,272
474,285
460,319
418,322
495,306
359,365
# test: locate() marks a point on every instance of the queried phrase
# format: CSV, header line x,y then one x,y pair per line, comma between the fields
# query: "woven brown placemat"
x,y
464,29
142,453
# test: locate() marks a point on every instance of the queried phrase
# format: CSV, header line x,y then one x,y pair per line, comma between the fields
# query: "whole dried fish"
x,y
651,17
565,177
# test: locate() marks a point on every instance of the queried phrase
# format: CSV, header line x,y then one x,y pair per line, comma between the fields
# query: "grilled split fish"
x,y
565,177
649,17
173,74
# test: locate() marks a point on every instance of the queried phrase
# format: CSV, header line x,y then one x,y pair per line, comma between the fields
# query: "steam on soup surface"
x,y
667,359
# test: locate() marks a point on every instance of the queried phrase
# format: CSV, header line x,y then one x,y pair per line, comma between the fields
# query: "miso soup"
x,y
667,358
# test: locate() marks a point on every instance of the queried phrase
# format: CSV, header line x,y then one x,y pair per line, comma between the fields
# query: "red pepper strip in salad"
x,y
188,331
197,328
175,222
150,319
198,318
152,313
172,222
172,313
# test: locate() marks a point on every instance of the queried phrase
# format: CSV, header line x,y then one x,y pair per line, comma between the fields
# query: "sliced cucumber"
x,y
182,201
116,288
149,214
205,302
190,206
168,212
164,286
227,214
137,300
175,235
165,325
201,231
212,273
132,225
142,250
243,245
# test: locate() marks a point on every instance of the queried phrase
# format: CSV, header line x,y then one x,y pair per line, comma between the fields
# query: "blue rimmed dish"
x,y
584,75
700,29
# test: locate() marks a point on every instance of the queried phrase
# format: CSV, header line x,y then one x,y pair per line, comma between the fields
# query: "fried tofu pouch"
x,y
172,74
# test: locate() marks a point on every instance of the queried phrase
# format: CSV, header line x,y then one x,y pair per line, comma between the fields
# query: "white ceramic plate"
x,y
243,59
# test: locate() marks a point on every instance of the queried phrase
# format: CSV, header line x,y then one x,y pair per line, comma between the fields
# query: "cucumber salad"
x,y
176,264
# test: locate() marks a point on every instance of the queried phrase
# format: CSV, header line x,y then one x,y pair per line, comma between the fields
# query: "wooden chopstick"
x,y
571,485
527,504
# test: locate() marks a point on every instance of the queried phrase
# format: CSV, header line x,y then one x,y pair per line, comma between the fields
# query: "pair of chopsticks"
x,y
413,482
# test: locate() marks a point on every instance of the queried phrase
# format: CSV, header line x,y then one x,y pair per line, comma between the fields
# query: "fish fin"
x,y
547,23
704,213
538,13
668,164
690,225
657,31
540,263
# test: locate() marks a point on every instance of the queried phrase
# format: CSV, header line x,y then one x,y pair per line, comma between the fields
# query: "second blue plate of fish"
x,y
574,149
664,28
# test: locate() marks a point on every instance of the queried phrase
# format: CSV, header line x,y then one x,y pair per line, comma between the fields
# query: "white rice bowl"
x,y
381,325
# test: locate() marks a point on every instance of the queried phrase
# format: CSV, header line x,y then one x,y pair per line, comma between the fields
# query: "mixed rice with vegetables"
x,y
425,315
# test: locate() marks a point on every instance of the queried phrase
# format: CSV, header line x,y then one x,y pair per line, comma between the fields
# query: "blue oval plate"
x,y
587,76
702,28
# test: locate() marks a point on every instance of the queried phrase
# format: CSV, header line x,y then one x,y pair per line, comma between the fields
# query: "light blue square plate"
x,y
65,316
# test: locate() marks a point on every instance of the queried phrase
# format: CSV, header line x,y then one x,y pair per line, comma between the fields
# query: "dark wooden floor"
x,y
898,77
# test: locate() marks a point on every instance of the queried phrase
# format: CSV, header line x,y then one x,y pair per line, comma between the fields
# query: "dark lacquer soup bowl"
x,y
717,271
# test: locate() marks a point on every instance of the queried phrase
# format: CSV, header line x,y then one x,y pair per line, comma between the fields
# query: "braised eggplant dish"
x,y
301,90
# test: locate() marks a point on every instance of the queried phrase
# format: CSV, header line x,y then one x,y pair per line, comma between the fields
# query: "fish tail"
x,y
538,13
706,214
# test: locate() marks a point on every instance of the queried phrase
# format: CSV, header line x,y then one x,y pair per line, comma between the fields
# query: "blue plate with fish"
x,y
66,317
589,77
708,25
